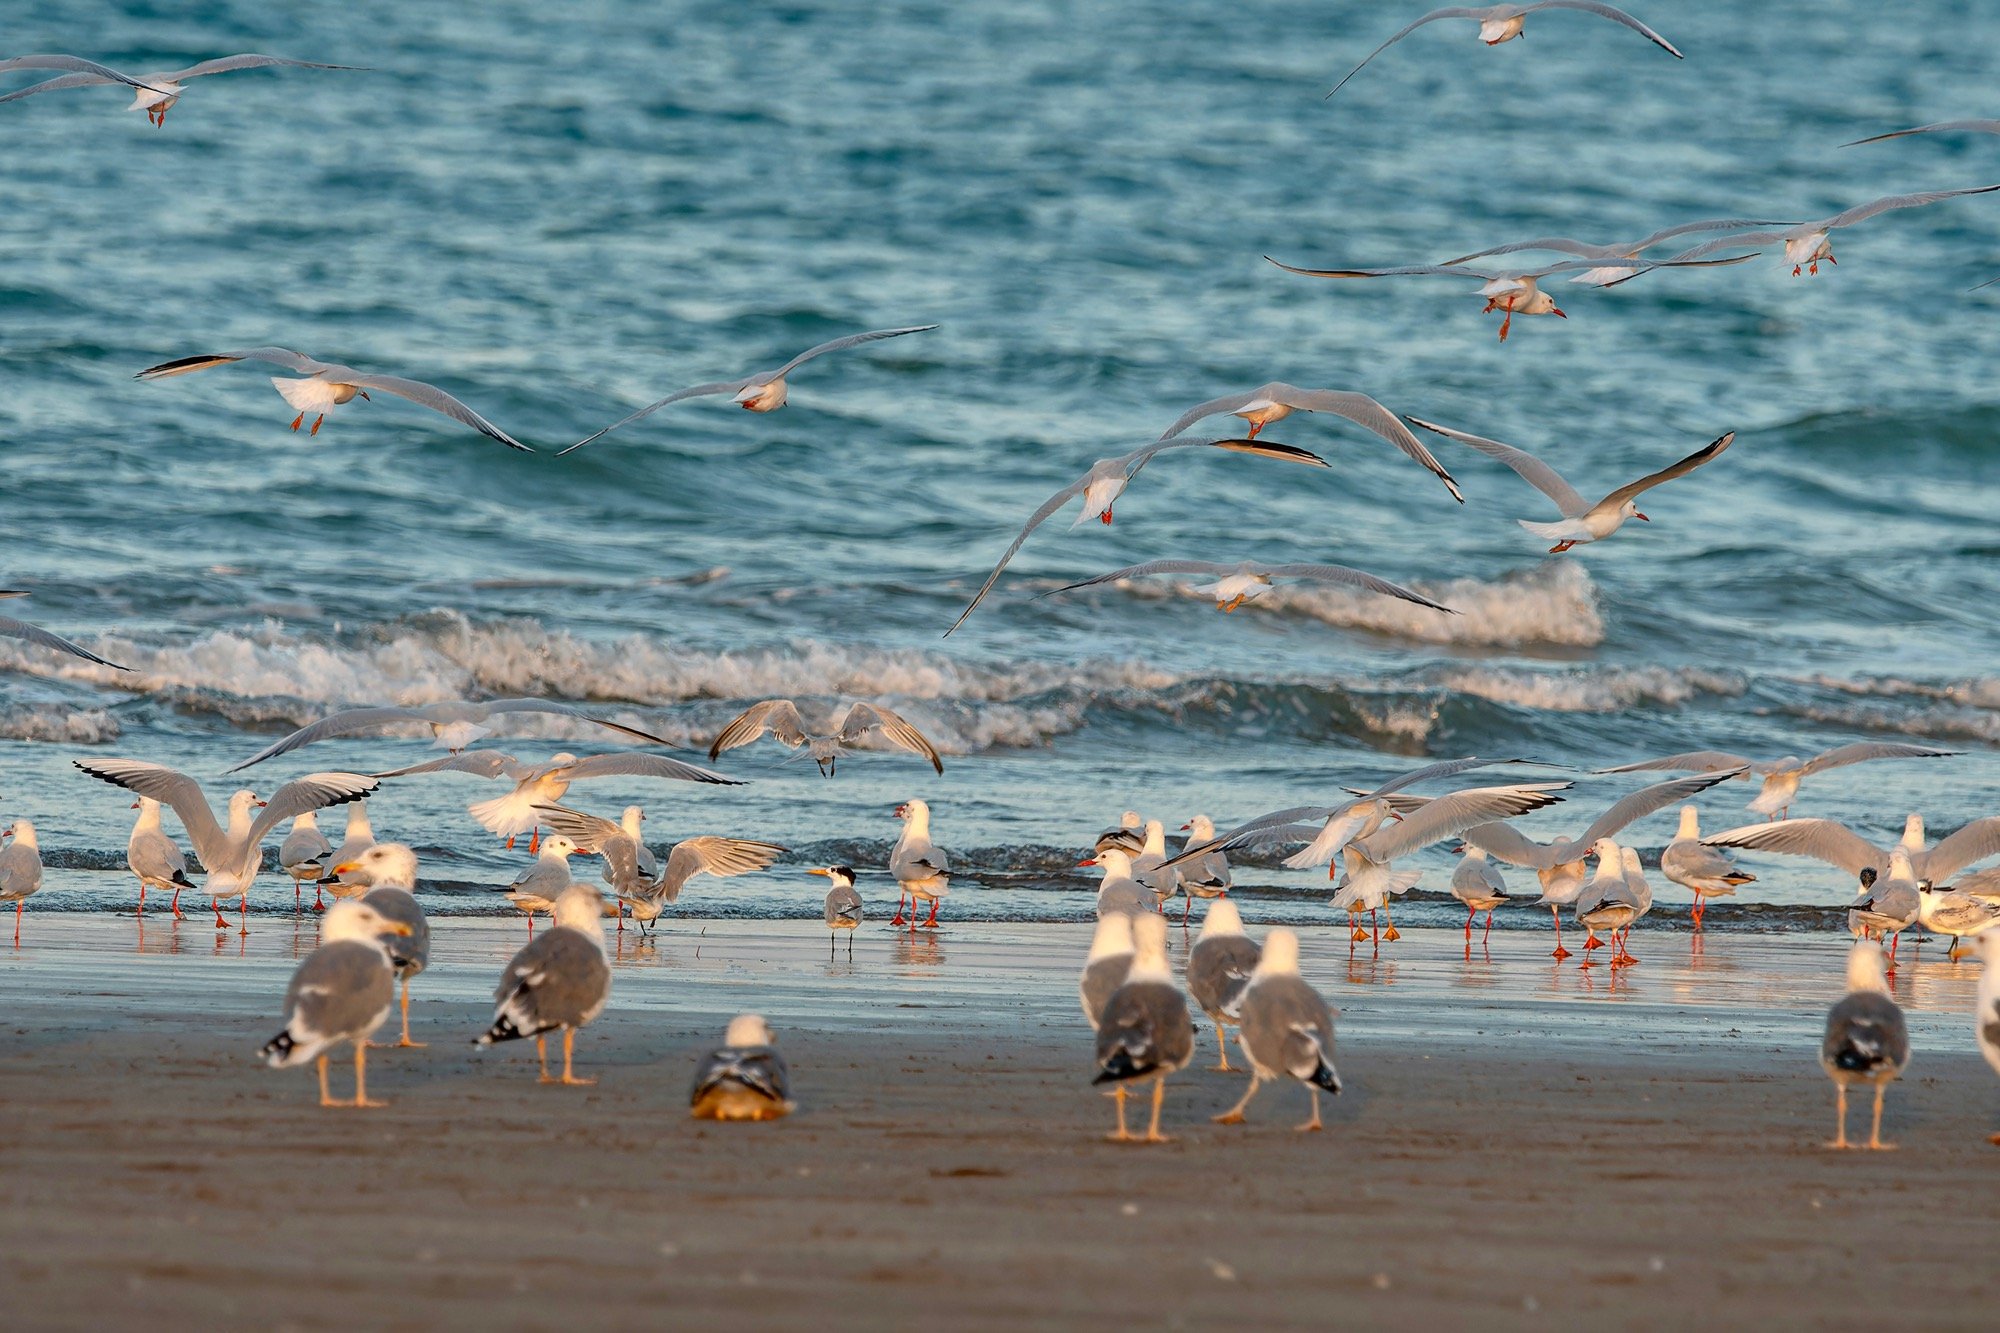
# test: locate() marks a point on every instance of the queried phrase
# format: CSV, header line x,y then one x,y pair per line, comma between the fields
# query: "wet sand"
x,y
1517,1144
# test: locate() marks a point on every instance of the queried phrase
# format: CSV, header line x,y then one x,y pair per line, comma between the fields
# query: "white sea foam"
x,y
1586,689
57,724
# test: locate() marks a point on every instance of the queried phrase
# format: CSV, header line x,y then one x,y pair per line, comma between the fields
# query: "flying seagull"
x,y
1609,277
1503,23
1809,242
780,717
21,629
156,93
1941,127
455,723
1246,580
1781,777
1276,401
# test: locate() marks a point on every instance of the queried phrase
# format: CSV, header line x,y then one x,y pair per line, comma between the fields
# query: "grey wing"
x,y
851,340
1278,826
1865,1033
1504,842
249,60
1606,11
1696,761
1530,468
158,858
1430,772
1706,224
437,400
66,81
567,710
1977,126
35,634
1227,403
1562,243
1730,242
1141,571
1398,271
1862,751
1894,201
865,717
692,391
1821,839
780,717
1287,453
277,356
1460,810
720,857
541,879
1454,12
1707,454
589,832
341,990
1370,415
758,1068
1049,506
559,980
1356,578
633,765
340,724
479,763
181,793
1969,846
410,953
1650,800
314,791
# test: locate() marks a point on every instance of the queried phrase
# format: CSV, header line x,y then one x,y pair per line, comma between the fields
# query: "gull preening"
x,y
1867,1040
1781,777
1941,127
1503,23
1246,580
763,391
1285,1028
155,94
1582,521
35,634
780,717
1276,401
341,992
455,724
746,1079
325,386
1106,481
640,882
1809,242
560,982
1611,276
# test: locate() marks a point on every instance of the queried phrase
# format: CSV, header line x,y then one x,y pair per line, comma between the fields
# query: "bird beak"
x,y
1557,312
134,805
365,398
1641,517
902,810
261,803
827,873
399,928
346,866
1185,827
1091,862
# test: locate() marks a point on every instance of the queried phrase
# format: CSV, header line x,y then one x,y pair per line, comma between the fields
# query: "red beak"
x,y
1557,313
1091,862
1641,517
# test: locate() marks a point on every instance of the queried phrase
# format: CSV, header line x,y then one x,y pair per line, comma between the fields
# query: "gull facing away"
x,y
304,855
842,908
1781,777
1867,1040
1582,521
744,1080
1219,968
630,869
1286,1029
1478,884
558,982
341,992
388,872
1106,481
1104,968
1247,580
455,724
921,868
22,630
780,717
763,391
1699,868
1503,23
154,857
1986,1007
514,814
1129,836
1144,1030
231,856
1612,276
155,93
20,869
358,838
326,386
1959,915
1809,242
1941,127
1276,401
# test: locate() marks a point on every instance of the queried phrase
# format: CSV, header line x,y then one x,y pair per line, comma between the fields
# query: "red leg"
x,y
1506,320
931,921
220,924
1489,927
535,840
298,421
19,903
177,903
897,919
1105,518
316,423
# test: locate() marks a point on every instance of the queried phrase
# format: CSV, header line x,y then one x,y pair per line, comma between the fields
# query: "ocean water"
x,y
560,212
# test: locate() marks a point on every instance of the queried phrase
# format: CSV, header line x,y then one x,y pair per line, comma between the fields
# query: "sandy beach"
x,y
1516,1145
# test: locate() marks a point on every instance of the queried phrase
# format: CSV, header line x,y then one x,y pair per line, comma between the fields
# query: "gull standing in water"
x,y
154,857
922,869
1287,1029
1206,876
1150,868
1889,902
1219,968
1612,276
763,391
155,93
1246,580
1119,894
780,717
1809,242
1107,479
232,856
326,386
1276,401
746,1079
304,856
341,992
1781,777
558,982
1582,521
386,873
1478,884
1867,1040
537,888
41,638
358,838
1503,23
20,869
843,905
630,869
1959,915
1699,868
454,725
1614,900
1830,841
1144,1030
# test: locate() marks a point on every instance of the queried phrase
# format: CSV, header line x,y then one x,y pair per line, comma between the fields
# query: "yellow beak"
x,y
827,873
346,866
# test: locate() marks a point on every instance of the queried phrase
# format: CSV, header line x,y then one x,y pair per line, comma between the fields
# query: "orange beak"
x,y
827,873
346,866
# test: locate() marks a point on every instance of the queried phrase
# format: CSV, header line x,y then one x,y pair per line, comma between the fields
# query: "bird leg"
x,y
361,1077
1233,603
18,905
142,898
298,421
177,904
1488,933
1222,1050
542,1045
1255,426
1555,914
1122,1135
243,914
1470,913
1590,940
1354,923
406,1018
930,922
901,896
1105,517
1840,1109
220,924
1153,1134
535,840
319,899
325,1098
1391,934
1506,320
1234,1115
1312,1126
298,895
569,1079
1698,901
1875,1132
1560,547
316,423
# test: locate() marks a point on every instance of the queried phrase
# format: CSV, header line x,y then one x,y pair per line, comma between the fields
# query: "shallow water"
x,y
561,213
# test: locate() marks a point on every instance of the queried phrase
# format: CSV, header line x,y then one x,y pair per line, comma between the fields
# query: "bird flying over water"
x,y
1503,23
155,94
1809,242
780,717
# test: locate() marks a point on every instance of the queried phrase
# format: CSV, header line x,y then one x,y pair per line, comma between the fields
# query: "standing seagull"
x,y
1582,521
1809,242
326,386
1106,481
1118,893
1144,1030
156,93
358,838
304,856
20,869
1699,868
1150,868
630,869
746,1079
1867,1040
1986,1007
1206,876
1503,23
454,724
1246,580
1781,777
560,981
762,392
154,857
1478,884
1287,1029
387,871
842,907
232,856
1959,915
1276,401
780,717
538,888
1218,971
21,629
922,870
1614,900
1889,902
341,992
1105,967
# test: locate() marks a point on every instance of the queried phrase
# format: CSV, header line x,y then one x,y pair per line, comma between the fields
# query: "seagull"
x,y
1503,23
1809,242
537,888
154,857
1614,900
1287,1029
1582,522
1150,869
387,873
20,869
455,724
1207,876
1834,843
156,93
326,386
1517,291
1104,969
558,982
21,629
304,855
1129,836
1247,580
922,870
1478,884
1699,868
1106,481
1119,894
843,905
1144,1031
231,856
763,391
746,1079
1888,903
1276,401
627,859
341,992
1867,1040
546,784
1219,967
1612,276
1943,126
1781,777
1986,1007
780,717
1959,915
358,838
